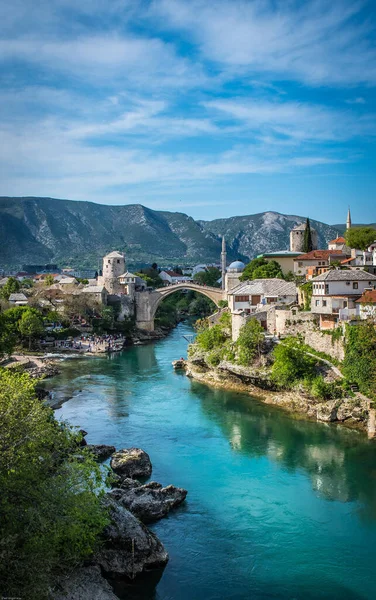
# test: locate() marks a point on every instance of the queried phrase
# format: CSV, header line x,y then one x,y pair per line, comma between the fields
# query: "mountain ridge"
x,y
78,233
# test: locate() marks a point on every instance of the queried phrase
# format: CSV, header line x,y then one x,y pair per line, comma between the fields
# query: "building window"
x,y
241,298
118,261
355,285
317,303
109,261
300,264
324,302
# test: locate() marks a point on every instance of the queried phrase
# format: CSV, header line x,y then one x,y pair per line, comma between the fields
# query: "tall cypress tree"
x,y
307,242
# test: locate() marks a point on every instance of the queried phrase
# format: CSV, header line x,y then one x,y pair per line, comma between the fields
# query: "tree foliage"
x,y
12,286
260,268
359,365
360,237
50,510
151,277
31,325
307,241
211,338
49,280
291,364
249,341
208,277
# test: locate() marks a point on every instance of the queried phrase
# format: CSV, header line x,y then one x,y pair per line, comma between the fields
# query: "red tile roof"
x,y
318,254
338,240
173,274
347,260
369,296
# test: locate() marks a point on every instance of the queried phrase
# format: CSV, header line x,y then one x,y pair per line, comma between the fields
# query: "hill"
x,y
78,234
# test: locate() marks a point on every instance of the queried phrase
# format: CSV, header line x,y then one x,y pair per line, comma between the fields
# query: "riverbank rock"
x,y
148,502
129,547
83,433
101,451
132,463
179,364
86,583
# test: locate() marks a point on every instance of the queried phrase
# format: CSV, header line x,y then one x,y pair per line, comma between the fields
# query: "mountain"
x,y
78,234
265,232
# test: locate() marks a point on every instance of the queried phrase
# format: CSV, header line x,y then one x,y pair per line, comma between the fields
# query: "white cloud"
x,y
107,59
316,42
358,100
298,121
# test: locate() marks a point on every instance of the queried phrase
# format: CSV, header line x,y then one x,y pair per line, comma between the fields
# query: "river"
x,y
276,508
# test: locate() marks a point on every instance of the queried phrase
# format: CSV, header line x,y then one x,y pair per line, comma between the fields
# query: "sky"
x,y
214,108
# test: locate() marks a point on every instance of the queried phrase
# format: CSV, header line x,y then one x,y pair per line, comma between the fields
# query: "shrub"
x,y
291,364
211,338
359,365
326,390
249,341
51,514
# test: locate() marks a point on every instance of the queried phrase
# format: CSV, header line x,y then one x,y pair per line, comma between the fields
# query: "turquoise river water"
x,y
277,507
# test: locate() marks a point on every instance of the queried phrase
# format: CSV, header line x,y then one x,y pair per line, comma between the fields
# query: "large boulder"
x,y
131,462
148,502
129,547
101,451
85,583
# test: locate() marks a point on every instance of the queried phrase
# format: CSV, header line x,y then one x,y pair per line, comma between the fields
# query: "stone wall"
x,y
292,322
323,342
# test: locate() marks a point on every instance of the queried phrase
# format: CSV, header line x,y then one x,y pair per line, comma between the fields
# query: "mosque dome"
x,y
236,267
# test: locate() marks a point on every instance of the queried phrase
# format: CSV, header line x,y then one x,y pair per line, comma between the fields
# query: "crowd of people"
x,y
93,343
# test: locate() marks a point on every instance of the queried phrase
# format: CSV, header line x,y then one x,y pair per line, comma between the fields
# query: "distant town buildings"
x,y
334,294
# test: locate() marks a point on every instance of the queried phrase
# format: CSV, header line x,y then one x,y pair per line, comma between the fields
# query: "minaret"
x,y
348,221
223,262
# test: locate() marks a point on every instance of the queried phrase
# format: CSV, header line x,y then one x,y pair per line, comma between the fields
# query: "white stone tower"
x,y
348,220
223,262
113,267
297,238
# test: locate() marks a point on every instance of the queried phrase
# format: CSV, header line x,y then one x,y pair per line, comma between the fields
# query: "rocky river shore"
x,y
128,548
354,411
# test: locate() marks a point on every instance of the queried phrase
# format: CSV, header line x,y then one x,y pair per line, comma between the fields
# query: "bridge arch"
x,y
147,303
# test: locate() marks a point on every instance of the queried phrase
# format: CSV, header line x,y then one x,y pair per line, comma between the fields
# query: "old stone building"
x,y
297,238
113,268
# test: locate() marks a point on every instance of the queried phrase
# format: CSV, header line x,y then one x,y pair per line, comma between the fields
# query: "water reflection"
x,y
339,462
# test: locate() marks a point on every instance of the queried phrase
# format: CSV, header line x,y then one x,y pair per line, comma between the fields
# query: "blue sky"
x,y
213,108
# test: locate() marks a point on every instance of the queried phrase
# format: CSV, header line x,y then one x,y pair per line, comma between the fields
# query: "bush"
x,y
324,390
359,365
291,364
210,338
249,341
51,513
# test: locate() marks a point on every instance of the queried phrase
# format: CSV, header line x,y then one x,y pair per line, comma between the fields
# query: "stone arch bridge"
x,y
147,302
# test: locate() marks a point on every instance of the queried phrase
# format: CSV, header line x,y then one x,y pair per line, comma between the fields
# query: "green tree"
x,y
291,364
213,337
151,277
307,241
49,280
51,513
7,338
31,325
260,268
12,286
249,341
360,237
359,365
208,277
